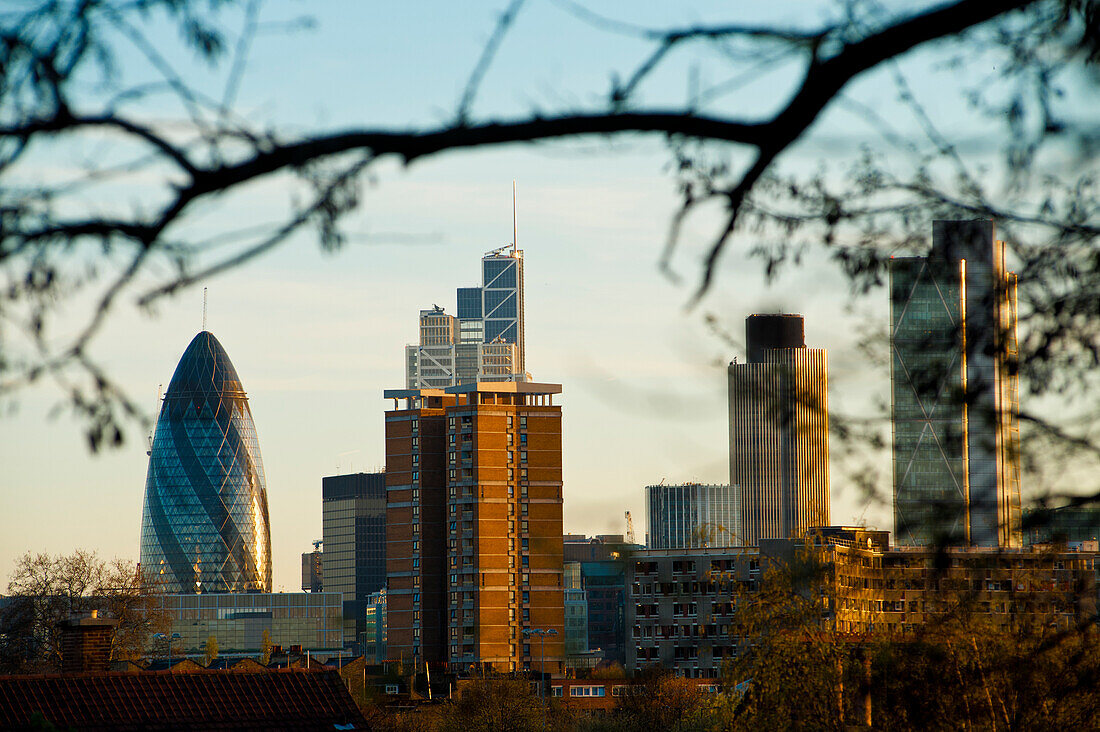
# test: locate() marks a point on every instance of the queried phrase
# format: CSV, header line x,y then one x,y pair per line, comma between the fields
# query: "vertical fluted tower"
x,y
779,431
204,526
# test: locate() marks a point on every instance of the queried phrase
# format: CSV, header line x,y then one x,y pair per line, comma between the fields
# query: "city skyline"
x,y
315,335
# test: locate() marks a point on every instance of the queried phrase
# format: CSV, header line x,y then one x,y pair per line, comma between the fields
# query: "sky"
x,y
316,337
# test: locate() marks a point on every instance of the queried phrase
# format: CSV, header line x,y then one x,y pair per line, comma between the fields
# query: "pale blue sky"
x,y
316,338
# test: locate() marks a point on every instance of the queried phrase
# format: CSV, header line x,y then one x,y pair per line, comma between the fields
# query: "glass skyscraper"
x,y
485,342
204,524
693,515
955,391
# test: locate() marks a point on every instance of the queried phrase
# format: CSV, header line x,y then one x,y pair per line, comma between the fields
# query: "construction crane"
x,y
630,529
317,545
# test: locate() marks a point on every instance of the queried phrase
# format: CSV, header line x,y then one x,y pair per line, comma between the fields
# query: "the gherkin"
x,y
204,526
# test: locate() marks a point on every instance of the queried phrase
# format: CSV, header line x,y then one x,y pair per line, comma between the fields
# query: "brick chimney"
x,y
86,644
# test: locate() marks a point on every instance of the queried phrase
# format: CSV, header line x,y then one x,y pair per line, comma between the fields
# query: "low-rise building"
x,y
243,623
681,603
576,623
373,638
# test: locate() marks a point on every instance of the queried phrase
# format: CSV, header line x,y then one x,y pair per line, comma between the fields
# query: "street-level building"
x,y
248,624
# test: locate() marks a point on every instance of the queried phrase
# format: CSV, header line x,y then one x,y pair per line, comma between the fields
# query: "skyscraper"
x,y
485,341
690,515
204,525
779,430
955,391
353,512
474,525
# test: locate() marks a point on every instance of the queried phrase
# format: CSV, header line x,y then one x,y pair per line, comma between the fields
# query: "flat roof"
x,y
500,387
520,387
410,393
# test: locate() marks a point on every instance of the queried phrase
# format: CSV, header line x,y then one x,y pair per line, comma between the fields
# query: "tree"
x,y
861,211
494,704
211,650
265,647
47,590
659,701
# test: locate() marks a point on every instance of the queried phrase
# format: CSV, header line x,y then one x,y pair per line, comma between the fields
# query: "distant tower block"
x,y
955,410
779,431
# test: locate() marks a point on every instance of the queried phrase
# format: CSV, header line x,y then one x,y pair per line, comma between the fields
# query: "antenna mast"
x,y
514,225
204,308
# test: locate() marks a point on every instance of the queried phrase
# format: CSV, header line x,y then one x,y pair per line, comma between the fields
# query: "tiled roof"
x,y
214,700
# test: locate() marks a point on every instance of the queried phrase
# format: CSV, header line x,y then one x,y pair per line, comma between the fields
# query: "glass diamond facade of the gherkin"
x,y
204,525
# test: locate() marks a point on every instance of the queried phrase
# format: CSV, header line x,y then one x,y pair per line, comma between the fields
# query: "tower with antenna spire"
x,y
485,342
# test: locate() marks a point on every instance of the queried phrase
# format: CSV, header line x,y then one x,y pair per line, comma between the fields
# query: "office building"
x,y
373,638
576,623
204,525
779,431
485,341
353,517
601,561
247,624
1061,525
474,525
692,514
955,391
313,570
683,606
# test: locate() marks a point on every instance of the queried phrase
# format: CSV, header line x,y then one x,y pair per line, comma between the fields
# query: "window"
x,y
523,456
523,422
555,691
523,439
416,475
